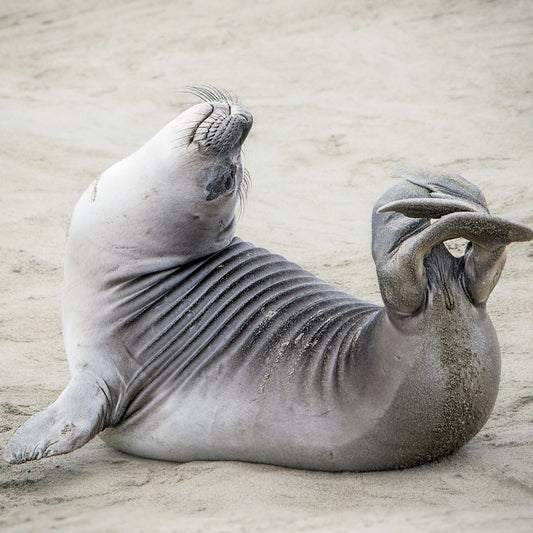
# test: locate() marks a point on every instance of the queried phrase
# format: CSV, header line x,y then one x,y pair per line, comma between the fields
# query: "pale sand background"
x,y
341,92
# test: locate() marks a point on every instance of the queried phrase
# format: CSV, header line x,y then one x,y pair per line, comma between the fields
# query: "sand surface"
x,y
341,92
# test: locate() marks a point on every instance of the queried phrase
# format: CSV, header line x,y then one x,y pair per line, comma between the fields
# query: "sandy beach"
x,y
342,93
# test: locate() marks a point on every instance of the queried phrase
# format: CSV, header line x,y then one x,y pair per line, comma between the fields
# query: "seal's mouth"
x,y
224,128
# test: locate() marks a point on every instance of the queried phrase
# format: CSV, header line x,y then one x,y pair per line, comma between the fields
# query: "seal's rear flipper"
x,y
448,185
403,236
72,420
485,257
427,207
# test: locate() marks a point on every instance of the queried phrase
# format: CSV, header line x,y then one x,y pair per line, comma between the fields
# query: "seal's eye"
x,y
229,182
224,182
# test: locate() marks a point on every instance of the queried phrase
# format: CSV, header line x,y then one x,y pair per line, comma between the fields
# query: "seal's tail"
x,y
403,236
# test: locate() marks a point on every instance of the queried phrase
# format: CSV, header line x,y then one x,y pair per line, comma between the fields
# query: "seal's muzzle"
x,y
224,129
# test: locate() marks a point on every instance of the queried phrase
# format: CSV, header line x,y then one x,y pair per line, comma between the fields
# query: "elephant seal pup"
x,y
185,343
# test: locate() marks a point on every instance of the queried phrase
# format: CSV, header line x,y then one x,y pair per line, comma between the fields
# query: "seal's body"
x,y
259,360
186,343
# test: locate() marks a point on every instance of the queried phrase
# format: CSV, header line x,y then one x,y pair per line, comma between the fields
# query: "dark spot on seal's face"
x,y
223,182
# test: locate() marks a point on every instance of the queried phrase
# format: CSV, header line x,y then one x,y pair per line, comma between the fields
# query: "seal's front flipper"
x,y
72,420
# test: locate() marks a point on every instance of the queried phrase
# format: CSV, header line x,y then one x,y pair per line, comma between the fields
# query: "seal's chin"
x,y
223,130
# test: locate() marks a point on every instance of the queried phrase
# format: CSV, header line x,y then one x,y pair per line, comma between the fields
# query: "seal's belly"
x,y
188,425
247,356
242,339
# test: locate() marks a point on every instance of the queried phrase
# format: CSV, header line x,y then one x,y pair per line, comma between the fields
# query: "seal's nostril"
x,y
245,116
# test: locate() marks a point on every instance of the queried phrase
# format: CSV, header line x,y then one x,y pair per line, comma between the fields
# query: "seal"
x,y
186,343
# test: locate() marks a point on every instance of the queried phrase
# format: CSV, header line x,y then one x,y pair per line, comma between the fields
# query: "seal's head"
x,y
174,199
216,131
199,156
